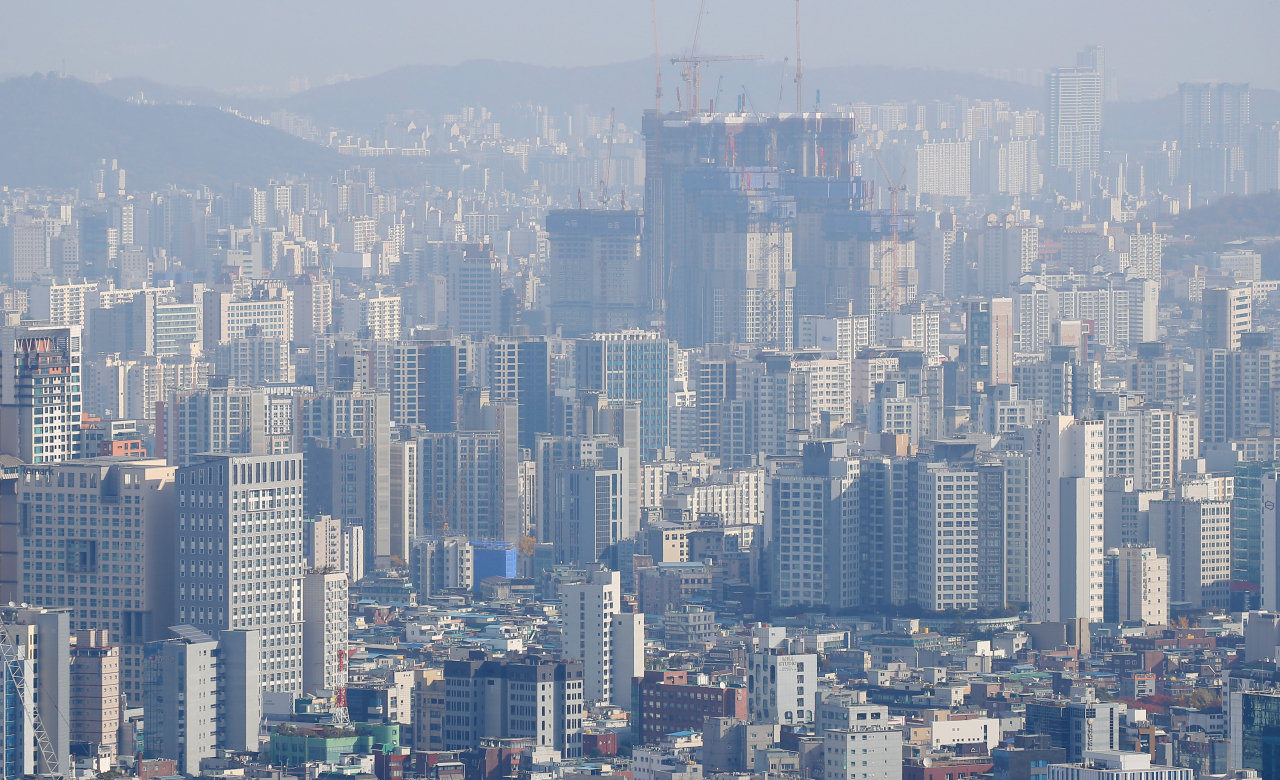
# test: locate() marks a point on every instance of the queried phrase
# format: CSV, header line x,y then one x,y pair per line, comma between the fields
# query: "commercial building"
x,y
117,574
184,728
631,365
1196,537
1116,765
666,702
781,679
1078,724
540,701
1137,586
41,667
238,555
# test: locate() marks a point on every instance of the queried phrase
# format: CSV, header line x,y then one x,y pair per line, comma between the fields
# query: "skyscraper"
x,y
116,574
1196,102
1065,509
735,282
679,156
1231,114
631,365
238,555
519,371
814,549
988,356
1074,126
597,281
608,642
40,392
1228,312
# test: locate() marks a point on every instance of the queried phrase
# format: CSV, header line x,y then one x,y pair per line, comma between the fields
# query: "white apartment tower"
x,y
1074,126
324,633
1065,509
608,642
1142,585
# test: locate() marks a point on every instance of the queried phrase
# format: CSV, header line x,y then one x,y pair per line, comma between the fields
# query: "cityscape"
x,y
711,415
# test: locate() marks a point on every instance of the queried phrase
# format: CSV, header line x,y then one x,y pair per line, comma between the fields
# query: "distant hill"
x,y
1228,219
1128,125
360,105
1232,217
54,129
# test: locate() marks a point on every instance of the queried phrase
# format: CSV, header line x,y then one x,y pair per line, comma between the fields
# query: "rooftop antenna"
x,y
799,69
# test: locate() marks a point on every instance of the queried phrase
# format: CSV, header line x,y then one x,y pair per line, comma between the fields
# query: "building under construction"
x,y
752,220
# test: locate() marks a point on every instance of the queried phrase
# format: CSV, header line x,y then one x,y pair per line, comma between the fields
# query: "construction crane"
x,y
893,214
14,668
799,70
691,65
692,73
608,167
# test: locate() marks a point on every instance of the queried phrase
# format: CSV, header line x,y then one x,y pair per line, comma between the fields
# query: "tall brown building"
x,y
95,690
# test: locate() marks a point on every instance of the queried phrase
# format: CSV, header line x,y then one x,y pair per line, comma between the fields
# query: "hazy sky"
x,y
234,44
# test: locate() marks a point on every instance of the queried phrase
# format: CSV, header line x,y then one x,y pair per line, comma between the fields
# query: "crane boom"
x,y
894,265
608,165
692,73
14,669
799,69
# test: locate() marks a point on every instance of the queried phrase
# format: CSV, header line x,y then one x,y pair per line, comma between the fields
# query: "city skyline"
x,y
493,423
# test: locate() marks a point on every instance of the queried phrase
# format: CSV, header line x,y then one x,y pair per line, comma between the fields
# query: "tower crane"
x,y
608,167
894,265
691,65
692,73
799,69
14,669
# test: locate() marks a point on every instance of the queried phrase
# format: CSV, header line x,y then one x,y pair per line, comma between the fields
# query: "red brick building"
x,y
665,702
600,744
